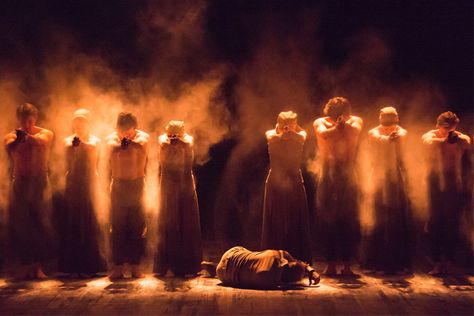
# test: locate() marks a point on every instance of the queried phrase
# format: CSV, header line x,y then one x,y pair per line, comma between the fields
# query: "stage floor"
x,y
419,294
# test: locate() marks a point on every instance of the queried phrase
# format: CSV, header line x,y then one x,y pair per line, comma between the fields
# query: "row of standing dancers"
x,y
285,214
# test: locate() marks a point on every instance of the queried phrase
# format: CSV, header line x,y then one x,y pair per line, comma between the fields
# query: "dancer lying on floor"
x,y
243,268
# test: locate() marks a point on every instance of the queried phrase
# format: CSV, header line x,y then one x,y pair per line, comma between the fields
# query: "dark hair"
x,y
447,119
337,106
126,120
293,272
25,110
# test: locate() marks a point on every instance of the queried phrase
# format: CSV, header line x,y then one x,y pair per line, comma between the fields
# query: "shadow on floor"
x,y
345,281
350,282
75,282
458,283
176,284
15,288
121,286
285,287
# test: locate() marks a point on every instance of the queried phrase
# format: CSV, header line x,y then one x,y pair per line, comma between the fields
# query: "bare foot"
x,y
347,271
169,274
40,275
117,273
136,273
330,270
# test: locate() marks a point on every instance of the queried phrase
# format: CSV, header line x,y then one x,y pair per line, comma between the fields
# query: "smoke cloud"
x,y
228,83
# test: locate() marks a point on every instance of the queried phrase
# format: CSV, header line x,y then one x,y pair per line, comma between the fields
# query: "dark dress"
x,y
445,215
179,232
29,220
80,245
285,209
390,240
337,202
449,186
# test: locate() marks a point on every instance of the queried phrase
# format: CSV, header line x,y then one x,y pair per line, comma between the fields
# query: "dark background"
x,y
429,40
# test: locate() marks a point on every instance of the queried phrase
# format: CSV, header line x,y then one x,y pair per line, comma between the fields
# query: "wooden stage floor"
x,y
416,295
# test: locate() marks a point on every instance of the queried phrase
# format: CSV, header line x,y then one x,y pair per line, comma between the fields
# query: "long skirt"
x,y
286,216
80,244
179,232
338,213
446,206
390,243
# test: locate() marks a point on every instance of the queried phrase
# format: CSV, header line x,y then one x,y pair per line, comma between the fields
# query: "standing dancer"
x,y
80,251
450,185
338,190
128,148
389,249
179,232
285,210
30,203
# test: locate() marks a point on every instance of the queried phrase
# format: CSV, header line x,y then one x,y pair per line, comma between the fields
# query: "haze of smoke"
x,y
181,81
286,74
8,97
72,80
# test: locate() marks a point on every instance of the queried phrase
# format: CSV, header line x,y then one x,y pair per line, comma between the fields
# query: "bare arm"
x,y
90,144
313,276
322,130
430,138
375,135
467,169
10,141
141,139
355,122
113,142
43,138
303,134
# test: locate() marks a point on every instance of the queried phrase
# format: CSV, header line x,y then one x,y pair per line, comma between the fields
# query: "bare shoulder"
x,y
188,139
45,132
270,134
402,132
10,135
162,139
464,138
429,134
374,131
143,135
300,136
356,119
303,134
9,138
68,140
112,137
320,121
94,140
